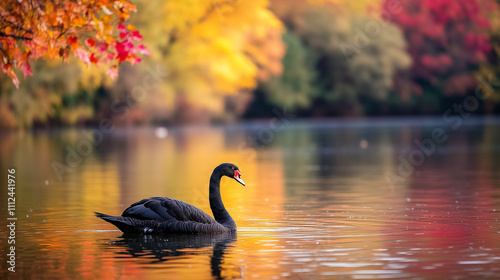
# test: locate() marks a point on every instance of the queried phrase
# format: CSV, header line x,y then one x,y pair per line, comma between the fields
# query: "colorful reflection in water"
x,y
317,204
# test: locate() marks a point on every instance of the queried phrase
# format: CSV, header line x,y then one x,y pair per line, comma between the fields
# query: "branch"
x,y
14,25
15,36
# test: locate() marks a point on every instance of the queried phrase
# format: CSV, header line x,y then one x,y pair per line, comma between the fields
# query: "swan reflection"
x,y
169,247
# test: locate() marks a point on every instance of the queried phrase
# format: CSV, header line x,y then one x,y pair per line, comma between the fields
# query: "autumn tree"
x,y
213,50
447,41
357,54
488,76
92,30
294,87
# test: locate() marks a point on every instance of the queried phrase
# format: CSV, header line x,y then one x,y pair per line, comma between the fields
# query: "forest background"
x,y
208,61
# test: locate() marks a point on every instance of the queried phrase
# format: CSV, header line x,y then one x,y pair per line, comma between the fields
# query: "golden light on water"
x,y
308,208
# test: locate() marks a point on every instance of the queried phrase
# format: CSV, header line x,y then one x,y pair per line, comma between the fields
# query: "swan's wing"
x,y
149,226
166,209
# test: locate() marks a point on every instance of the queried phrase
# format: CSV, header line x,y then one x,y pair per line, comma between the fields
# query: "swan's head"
x,y
232,171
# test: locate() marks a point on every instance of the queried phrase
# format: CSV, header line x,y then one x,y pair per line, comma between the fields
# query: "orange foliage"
x,y
91,30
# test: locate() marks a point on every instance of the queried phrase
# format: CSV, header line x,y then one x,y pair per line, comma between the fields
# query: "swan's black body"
x,y
167,215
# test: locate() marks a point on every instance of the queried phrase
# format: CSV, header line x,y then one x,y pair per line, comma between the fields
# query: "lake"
x,y
355,199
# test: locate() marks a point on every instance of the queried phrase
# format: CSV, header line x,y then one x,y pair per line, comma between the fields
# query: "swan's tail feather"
x,y
129,225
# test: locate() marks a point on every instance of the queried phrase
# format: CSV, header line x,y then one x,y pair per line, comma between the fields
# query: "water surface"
x,y
318,203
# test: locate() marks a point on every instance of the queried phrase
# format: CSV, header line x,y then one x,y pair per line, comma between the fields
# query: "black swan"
x,y
167,215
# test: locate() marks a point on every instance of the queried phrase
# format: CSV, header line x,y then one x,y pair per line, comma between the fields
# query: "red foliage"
x,y
446,38
55,28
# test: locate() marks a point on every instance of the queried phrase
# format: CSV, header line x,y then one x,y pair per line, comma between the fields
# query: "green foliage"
x,y
54,95
294,88
358,56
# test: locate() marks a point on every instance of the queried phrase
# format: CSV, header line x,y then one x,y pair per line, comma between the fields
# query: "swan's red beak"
x,y
237,177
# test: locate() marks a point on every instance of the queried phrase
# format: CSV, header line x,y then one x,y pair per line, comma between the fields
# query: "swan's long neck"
x,y
220,213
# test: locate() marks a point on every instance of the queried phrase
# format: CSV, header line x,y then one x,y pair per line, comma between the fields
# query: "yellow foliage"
x,y
216,47
488,75
93,76
356,6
